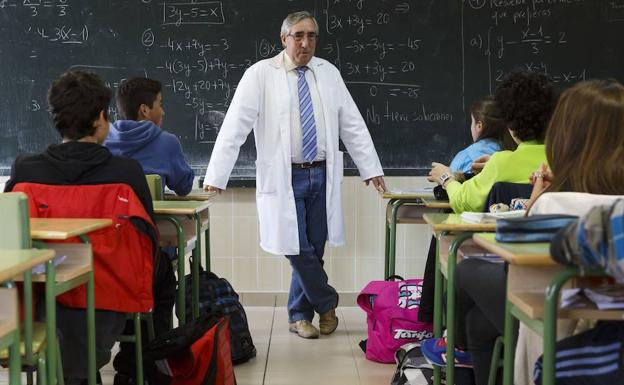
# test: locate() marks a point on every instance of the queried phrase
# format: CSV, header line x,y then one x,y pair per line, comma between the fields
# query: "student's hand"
x,y
543,175
479,163
378,183
437,170
541,180
212,189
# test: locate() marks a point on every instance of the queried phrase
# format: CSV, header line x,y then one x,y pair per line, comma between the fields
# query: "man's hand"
x,y
479,163
212,189
437,170
378,183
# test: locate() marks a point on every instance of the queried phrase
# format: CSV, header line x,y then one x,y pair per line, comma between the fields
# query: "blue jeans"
x,y
309,290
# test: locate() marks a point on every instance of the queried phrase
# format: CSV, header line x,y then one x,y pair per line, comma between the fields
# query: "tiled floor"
x,y
286,359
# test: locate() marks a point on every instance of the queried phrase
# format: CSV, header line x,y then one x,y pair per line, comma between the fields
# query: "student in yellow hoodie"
x,y
526,100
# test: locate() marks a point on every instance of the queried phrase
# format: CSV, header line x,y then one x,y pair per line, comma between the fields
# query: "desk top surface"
x,y
15,262
453,222
415,194
180,207
529,254
195,195
64,228
436,204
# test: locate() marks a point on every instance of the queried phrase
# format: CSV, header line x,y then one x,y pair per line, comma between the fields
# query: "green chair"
x,y
154,182
15,234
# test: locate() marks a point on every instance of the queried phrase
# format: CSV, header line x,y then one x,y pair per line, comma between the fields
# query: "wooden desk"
x,y
76,270
13,263
534,282
195,195
64,228
394,217
436,204
171,211
444,225
531,254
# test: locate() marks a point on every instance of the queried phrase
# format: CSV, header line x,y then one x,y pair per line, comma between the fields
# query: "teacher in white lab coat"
x,y
299,107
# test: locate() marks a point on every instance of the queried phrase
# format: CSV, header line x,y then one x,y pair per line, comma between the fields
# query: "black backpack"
x,y
216,294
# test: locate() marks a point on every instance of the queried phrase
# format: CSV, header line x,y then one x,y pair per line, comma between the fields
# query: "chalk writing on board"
x,y
178,14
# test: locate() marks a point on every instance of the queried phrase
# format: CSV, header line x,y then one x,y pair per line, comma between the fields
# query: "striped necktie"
x,y
306,114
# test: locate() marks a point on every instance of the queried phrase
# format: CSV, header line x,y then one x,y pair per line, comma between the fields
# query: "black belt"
x,y
318,163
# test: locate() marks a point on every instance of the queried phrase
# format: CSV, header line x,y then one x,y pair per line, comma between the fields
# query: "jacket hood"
x,y
75,159
130,136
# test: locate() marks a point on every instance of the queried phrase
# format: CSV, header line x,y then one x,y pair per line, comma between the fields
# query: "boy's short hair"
x,y
136,91
76,99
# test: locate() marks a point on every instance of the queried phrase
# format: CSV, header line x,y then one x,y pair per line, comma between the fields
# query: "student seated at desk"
x,y
585,151
140,137
79,104
489,134
526,100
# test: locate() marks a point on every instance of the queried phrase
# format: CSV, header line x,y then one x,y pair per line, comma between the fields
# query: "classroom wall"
x,y
237,256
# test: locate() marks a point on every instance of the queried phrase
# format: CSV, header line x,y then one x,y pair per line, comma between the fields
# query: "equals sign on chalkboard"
x,y
402,8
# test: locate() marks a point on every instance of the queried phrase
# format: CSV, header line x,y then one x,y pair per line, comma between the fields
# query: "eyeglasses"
x,y
299,36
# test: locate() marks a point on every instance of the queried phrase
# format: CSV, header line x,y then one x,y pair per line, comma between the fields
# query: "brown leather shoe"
x,y
328,322
304,329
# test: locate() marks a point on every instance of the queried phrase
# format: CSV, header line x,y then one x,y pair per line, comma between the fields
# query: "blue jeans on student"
x,y
309,290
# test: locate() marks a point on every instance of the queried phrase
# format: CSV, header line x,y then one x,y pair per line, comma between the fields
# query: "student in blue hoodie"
x,y
140,137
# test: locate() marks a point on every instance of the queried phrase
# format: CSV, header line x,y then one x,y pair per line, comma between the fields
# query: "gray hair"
x,y
294,18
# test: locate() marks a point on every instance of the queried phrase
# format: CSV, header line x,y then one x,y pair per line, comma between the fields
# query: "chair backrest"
x,y
504,192
154,182
123,254
15,223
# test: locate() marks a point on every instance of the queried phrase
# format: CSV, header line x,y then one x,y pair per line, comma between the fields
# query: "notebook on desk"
x,y
476,217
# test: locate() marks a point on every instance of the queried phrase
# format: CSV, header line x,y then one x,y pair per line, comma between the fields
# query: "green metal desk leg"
x,y
393,234
15,357
437,307
50,296
207,246
387,251
550,323
181,272
494,363
450,305
509,345
138,348
195,269
91,364
28,325
387,245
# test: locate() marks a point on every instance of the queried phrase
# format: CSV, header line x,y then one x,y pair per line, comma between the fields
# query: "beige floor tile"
x,y
260,321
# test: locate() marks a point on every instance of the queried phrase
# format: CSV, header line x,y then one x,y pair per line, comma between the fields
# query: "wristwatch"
x,y
444,178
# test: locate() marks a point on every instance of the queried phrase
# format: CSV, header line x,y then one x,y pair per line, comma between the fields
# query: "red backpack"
x,y
192,354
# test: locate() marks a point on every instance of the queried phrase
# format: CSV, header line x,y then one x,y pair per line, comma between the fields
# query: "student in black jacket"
x,y
78,104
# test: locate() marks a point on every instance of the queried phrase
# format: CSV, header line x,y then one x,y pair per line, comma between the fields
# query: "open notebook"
x,y
474,217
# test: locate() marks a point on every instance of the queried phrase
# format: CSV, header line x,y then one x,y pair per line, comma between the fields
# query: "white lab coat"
x,y
262,102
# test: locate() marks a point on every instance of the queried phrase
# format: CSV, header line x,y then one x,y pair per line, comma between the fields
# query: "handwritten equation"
x,y
178,13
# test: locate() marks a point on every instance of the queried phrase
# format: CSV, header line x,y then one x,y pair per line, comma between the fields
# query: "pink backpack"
x,y
392,315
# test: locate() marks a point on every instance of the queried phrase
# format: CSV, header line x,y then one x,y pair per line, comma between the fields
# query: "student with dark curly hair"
x,y
526,101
